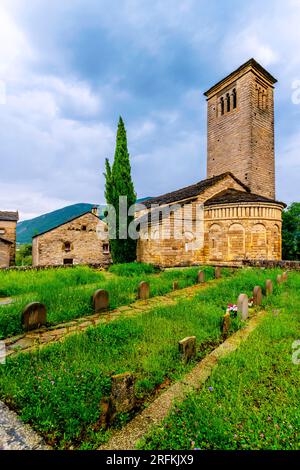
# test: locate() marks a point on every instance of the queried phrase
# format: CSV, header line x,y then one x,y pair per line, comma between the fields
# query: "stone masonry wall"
x,y
85,246
9,229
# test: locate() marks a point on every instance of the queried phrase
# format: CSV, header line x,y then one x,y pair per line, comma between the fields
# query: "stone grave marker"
x,y
187,348
100,300
218,272
201,277
175,285
34,316
284,276
269,287
122,396
144,290
242,305
257,295
279,279
226,323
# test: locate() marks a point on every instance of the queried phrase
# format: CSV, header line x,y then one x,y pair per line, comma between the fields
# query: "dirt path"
x,y
31,340
127,437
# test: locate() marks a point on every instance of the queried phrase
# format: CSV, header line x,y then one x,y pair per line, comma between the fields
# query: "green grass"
x,y
67,293
58,389
133,269
251,401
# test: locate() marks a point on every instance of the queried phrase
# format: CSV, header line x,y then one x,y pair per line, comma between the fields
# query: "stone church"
x,y
241,218
8,224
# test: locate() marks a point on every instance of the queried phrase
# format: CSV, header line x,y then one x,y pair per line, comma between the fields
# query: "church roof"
x,y
233,196
9,216
190,191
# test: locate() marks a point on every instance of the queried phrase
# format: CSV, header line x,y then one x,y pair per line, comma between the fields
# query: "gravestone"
x,y
201,277
122,396
226,323
144,291
217,272
34,316
242,305
284,276
269,287
175,285
257,295
100,300
279,279
187,348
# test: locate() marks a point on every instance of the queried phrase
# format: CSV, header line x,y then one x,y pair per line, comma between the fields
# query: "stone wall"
x,y
75,242
242,140
8,232
4,254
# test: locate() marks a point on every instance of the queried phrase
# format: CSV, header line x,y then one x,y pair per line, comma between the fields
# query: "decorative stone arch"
x,y
215,242
259,241
236,242
276,241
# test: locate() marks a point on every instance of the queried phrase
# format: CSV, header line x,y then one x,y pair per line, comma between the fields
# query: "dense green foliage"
x,y
291,232
24,255
59,389
119,183
67,293
251,401
132,269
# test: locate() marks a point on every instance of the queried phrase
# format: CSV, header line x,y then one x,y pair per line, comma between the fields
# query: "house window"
x,y
222,106
83,228
106,248
228,102
67,246
68,262
2,231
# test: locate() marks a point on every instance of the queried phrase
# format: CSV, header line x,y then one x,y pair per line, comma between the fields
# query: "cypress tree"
x,y
119,183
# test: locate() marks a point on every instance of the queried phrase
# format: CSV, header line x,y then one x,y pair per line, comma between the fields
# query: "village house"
x,y
239,216
8,224
81,240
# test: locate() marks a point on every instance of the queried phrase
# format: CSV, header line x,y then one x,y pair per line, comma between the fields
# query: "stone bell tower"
x,y
241,128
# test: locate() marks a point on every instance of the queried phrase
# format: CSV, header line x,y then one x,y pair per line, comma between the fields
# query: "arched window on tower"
x,y
234,97
228,102
222,106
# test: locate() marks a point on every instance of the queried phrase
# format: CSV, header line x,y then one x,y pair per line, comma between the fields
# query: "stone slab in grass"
x,y
34,316
144,290
201,277
122,396
187,348
226,323
242,305
218,273
100,300
269,287
257,296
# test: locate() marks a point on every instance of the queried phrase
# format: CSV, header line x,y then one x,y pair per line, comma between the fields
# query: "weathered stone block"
x,y
175,285
257,295
34,316
226,323
279,279
100,300
242,305
144,290
187,348
201,277
285,276
122,396
269,287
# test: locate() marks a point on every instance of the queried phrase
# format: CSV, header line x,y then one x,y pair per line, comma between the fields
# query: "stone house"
x,y
81,240
8,224
232,215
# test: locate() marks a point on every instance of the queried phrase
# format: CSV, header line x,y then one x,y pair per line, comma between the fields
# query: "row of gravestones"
x,y
35,314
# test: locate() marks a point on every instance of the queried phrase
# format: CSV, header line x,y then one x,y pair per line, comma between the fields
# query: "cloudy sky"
x,y
69,68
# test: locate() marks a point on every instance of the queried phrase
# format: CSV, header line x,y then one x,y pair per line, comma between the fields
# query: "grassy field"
x,y
58,389
251,401
67,292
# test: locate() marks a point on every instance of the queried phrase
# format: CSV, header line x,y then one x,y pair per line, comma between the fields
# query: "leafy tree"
x,y
291,232
24,255
119,183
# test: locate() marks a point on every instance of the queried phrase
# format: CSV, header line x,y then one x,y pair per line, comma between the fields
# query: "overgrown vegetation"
x,y
67,292
58,389
291,232
24,255
251,401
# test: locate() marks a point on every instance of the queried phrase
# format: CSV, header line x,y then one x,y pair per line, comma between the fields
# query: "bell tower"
x,y
240,113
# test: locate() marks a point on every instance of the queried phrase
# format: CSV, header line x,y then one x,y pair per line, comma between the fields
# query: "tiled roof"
x,y
233,196
190,191
9,216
